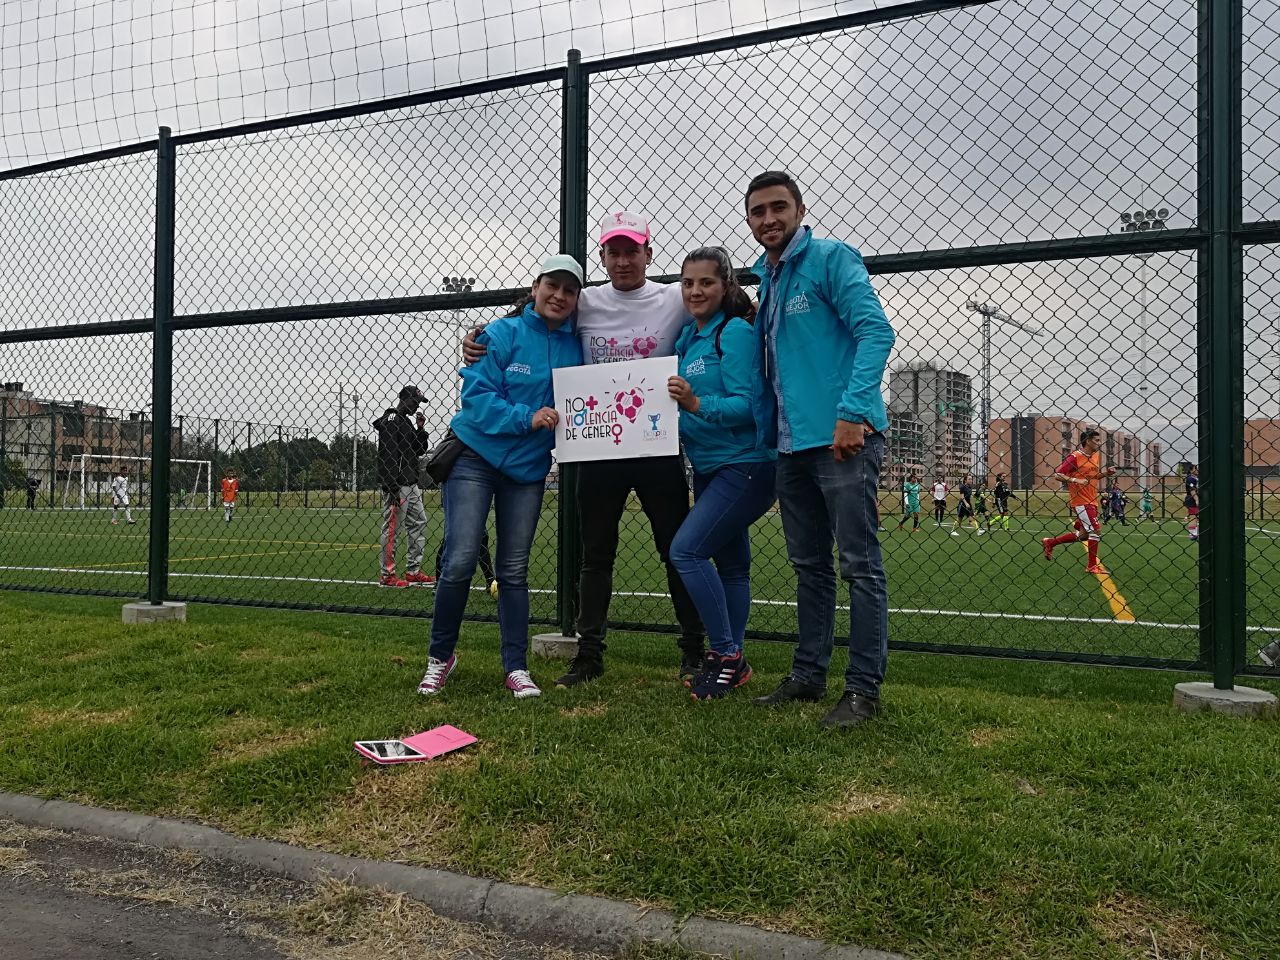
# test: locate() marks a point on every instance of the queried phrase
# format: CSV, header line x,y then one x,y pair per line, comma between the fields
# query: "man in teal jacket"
x,y
825,342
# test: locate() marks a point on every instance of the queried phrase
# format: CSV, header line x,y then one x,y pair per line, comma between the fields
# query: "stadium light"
x,y
989,313
1142,221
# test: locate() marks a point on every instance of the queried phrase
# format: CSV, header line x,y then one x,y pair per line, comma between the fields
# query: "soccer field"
x,y
981,592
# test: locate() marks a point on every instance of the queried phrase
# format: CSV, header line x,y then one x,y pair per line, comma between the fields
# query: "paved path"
x,y
40,920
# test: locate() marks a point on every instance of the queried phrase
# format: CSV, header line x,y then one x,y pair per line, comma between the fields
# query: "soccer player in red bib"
x,y
1081,472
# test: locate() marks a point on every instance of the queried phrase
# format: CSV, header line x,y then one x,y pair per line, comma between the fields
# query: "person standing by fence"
x,y
401,441
505,431
824,344
629,318
733,473
33,485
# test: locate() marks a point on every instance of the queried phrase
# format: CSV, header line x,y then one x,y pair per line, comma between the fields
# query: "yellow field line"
x,y
1119,605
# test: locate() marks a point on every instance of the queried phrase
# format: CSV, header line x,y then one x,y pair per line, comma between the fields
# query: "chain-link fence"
x,y
1037,190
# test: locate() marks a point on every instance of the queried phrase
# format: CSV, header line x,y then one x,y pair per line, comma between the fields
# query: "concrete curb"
x,y
534,914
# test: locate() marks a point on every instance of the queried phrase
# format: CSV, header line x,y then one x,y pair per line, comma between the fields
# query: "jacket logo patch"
x,y
797,304
520,368
697,368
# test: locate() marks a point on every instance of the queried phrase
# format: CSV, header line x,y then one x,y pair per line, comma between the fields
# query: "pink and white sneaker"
x,y
437,673
521,685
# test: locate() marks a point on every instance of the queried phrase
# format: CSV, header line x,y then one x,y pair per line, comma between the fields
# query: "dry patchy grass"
x,y
52,718
1142,932
861,803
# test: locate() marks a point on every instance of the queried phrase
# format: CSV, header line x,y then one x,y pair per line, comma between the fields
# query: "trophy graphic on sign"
x,y
653,421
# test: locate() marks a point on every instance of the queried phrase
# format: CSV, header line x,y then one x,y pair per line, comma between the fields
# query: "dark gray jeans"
x,y
825,503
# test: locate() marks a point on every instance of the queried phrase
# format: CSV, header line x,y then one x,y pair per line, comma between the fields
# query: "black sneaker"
x,y
691,664
1270,654
709,663
725,675
792,689
853,709
582,669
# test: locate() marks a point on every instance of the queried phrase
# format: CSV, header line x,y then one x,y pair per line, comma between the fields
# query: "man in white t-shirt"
x,y
630,318
120,497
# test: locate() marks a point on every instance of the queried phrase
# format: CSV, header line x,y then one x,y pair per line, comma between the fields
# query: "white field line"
x,y
901,611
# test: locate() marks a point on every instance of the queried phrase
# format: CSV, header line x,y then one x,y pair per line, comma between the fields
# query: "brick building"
x,y
46,436
1028,450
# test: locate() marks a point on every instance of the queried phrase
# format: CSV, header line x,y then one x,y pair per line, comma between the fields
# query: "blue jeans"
x,y
726,504
472,486
823,501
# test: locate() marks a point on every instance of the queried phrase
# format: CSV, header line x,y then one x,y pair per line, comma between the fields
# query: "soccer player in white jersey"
x,y
120,497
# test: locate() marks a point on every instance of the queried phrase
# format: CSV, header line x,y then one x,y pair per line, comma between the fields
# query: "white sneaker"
x,y
521,685
955,533
437,673
981,532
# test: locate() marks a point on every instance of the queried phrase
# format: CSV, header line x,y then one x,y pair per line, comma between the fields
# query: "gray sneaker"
x,y
1270,654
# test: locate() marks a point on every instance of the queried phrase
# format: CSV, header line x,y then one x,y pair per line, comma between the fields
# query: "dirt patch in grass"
x,y
78,656
861,803
986,736
1142,932
52,718
585,710
391,813
251,739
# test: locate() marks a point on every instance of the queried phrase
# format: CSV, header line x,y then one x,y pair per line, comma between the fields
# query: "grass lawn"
x,y
996,810
991,592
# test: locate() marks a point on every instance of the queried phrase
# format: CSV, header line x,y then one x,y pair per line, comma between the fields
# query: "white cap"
x,y
562,263
633,226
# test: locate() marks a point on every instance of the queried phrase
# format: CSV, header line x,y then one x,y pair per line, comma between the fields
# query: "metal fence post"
x,y
1223,572
4,447
162,369
573,241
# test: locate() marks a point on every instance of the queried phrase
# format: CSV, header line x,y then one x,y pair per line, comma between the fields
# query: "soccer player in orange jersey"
x,y
1081,472
230,487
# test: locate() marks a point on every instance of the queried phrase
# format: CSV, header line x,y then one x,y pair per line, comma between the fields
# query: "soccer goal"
x,y
89,482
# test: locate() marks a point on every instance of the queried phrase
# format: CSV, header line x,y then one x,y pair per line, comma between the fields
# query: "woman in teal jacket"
x,y
507,423
733,474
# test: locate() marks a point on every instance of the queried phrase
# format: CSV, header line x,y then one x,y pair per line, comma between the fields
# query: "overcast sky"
x,y
1008,122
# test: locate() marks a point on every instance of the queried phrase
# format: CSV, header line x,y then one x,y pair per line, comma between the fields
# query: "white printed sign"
x,y
612,411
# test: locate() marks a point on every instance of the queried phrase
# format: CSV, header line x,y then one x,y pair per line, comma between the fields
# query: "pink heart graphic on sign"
x,y
628,403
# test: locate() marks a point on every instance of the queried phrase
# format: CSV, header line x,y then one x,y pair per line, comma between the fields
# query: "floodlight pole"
x,y
988,312
1141,221
355,419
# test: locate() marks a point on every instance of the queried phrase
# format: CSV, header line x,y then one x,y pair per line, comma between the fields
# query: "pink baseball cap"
x,y
633,226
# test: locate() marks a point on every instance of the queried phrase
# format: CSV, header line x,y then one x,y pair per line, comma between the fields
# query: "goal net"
x,y
89,477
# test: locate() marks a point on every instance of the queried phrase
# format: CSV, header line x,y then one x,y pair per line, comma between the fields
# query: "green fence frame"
x,y
1218,239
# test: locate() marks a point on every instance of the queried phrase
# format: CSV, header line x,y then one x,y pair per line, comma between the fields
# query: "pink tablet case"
x,y
440,740
430,744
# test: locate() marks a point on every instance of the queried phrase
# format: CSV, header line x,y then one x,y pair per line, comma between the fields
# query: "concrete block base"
x,y
1237,702
555,646
143,612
